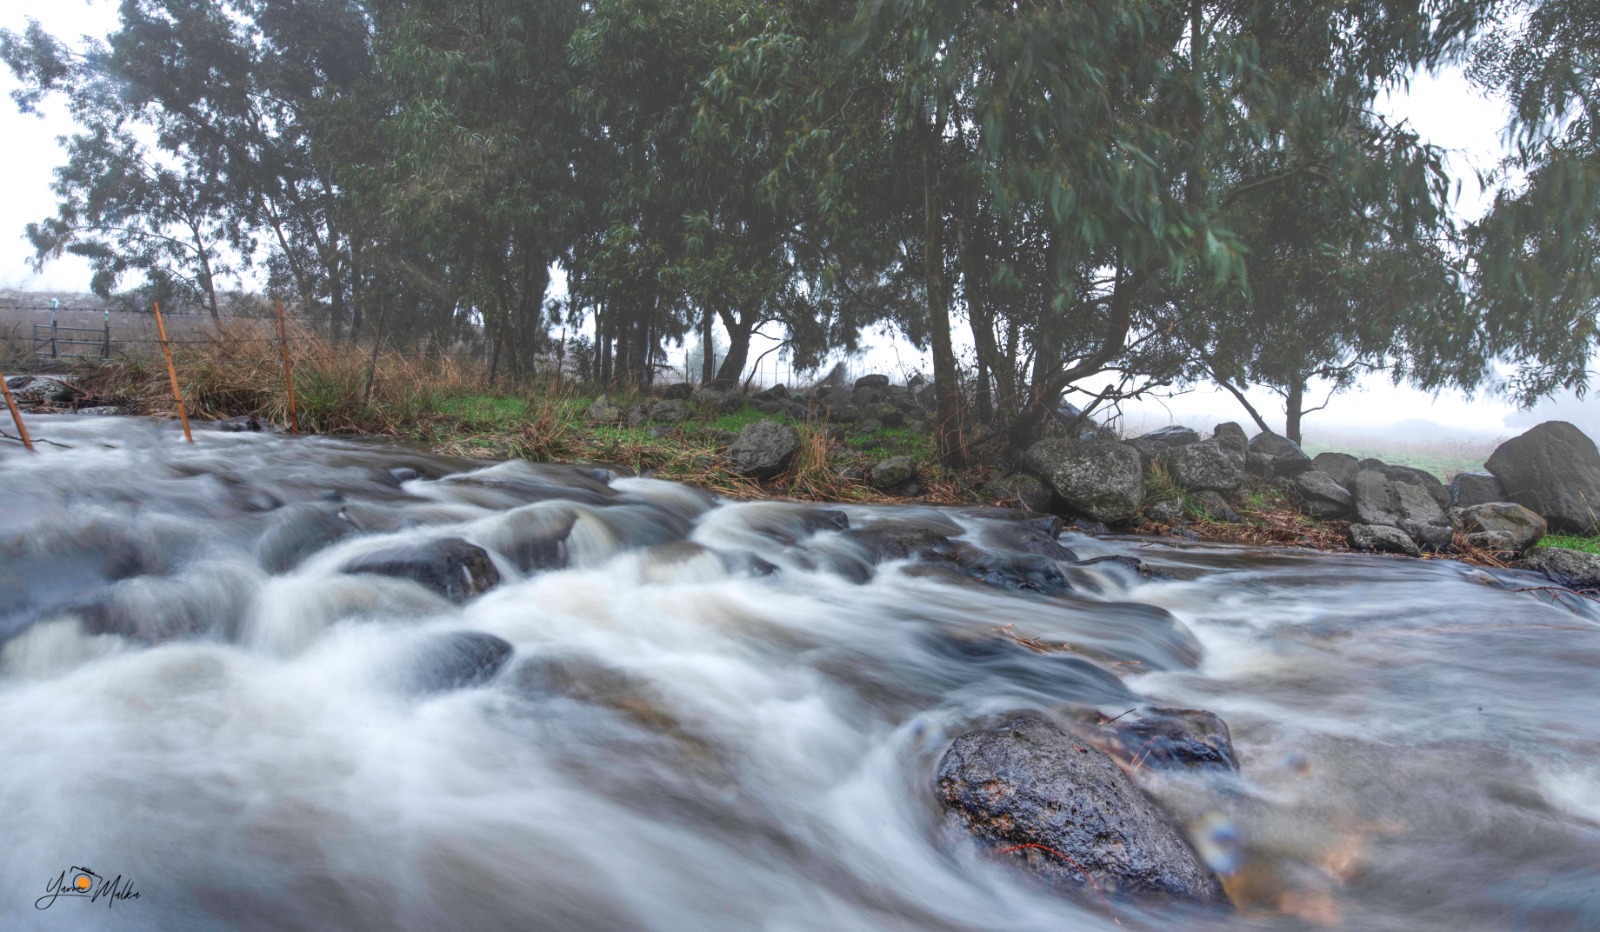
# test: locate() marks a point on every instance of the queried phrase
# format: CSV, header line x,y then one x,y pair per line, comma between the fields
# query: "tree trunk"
x,y
707,355
1295,407
947,432
738,351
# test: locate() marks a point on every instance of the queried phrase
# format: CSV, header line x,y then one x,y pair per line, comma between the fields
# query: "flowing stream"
x,y
723,715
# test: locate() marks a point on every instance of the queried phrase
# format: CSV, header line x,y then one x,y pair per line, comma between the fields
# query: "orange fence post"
x,y
288,374
22,431
161,330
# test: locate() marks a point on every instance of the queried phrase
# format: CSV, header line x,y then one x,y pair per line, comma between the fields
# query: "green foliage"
x,y
1571,542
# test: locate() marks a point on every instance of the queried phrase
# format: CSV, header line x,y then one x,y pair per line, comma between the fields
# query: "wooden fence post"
x,y
172,373
16,416
288,374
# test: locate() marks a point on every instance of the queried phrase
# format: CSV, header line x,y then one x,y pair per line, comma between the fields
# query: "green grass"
x,y
1442,464
1571,542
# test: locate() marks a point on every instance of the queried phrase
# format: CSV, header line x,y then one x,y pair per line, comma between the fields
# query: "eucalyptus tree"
x,y
1536,253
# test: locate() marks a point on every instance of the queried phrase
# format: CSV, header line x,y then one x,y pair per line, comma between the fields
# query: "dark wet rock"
x,y
714,401
403,474
1019,489
1232,438
1381,539
102,411
764,449
844,414
672,410
897,542
893,473
790,524
677,391
1273,455
887,414
296,532
456,660
450,566
1027,782
246,424
1475,488
1553,469
1023,573
775,393
871,426
1340,467
1321,496
1573,569
1153,443
1164,739
1421,478
1521,527
873,381
1379,499
1100,479
1204,466
603,412
1030,537
1217,507
1089,526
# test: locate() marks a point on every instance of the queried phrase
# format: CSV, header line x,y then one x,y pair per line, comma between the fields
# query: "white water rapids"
x,y
722,715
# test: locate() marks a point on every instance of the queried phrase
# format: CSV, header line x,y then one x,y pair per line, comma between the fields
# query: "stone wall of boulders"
x,y
1547,479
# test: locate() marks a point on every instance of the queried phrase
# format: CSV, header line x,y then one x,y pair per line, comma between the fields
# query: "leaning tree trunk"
x,y
947,432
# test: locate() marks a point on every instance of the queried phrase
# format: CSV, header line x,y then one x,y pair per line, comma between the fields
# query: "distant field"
x,y
1443,458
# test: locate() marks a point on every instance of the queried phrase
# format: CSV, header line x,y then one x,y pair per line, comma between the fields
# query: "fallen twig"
x,y
7,436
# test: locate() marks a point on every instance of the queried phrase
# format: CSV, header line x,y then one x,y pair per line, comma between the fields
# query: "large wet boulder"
x,y
1321,496
873,381
764,449
1573,569
1513,527
1027,782
1553,469
450,566
1100,479
1376,538
1475,488
1204,466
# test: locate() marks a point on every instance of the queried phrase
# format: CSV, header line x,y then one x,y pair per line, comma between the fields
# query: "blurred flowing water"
x,y
723,715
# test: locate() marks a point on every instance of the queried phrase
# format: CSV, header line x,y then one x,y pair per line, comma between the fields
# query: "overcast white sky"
x,y
1444,109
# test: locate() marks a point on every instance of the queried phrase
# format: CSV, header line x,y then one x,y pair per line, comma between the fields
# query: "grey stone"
x,y
637,417
1321,496
1423,479
1553,469
603,412
1019,489
1520,525
672,410
1573,569
1217,507
872,381
102,411
1027,782
714,401
456,660
1475,488
892,473
1231,436
1153,443
775,393
449,566
888,414
677,391
40,389
1435,538
1379,499
870,426
1382,539
1204,466
1340,467
1100,479
1164,739
764,449
1167,512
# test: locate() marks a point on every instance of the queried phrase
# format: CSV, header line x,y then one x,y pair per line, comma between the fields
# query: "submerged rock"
x,y
297,531
457,660
449,566
1027,782
1172,739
